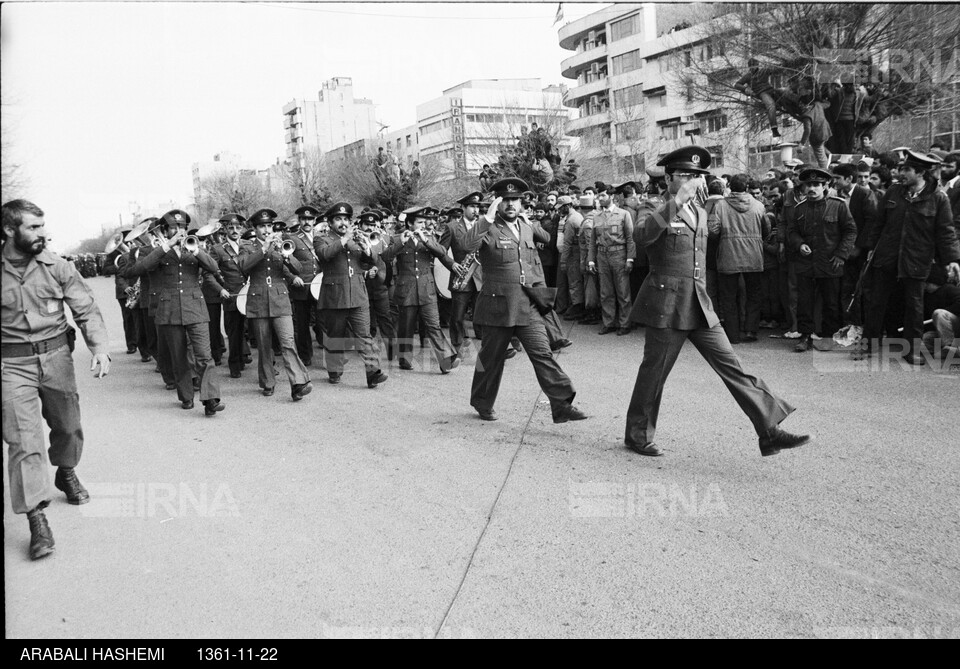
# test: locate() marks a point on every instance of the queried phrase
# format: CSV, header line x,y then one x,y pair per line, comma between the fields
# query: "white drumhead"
x,y
242,299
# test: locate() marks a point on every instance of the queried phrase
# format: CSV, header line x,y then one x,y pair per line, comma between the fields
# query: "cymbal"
x,y
137,231
208,229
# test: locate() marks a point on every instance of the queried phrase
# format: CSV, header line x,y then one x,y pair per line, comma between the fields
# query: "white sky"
x,y
109,103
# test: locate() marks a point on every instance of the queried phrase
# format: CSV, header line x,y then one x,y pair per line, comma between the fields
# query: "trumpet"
x,y
191,244
287,248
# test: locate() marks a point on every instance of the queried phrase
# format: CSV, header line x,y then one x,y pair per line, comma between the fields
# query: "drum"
x,y
242,299
441,275
315,286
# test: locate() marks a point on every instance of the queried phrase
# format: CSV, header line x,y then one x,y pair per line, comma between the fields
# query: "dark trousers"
x,y
637,275
563,289
488,372
728,286
129,325
773,306
335,325
661,349
381,318
39,389
217,346
164,361
195,339
550,275
280,328
146,333
458,315
302,312
234,322
848,288
430,323
884,286
807,290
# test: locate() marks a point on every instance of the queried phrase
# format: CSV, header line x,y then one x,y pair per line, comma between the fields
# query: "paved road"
x,y
395,512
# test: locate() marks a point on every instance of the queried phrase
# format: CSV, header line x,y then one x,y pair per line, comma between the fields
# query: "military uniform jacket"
x,y
453,239
231,278
343,286
309,267
674,294
612,230
177,284
827,227
911,235
508,265
414,284
124,264
211,283
378,282
268,295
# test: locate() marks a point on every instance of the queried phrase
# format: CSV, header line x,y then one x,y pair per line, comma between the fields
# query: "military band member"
x,y
231,279
181,313
508,255
139,241
211,286
415,292
822,232
375,276
465,297
268,304
674,305
122,288
304,304
343,299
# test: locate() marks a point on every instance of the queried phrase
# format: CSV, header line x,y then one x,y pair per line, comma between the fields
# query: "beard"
x,y
29,248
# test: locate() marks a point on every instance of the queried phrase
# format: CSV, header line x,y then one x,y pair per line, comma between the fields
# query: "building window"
x,y
624,27
670,129
430,127
716,156
713,123
628,97
627,62
409,141
630,132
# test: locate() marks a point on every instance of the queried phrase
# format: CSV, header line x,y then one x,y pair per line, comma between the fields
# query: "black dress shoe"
x,y
623,331
308,362
511,352
647,449
375,379
186,404
247,360
131,350
750,337
606,330
776,440
452,363
563,343
170,386
41,538
804,345
267,392
235,375
67,481
333,378
217,362
211,407
299,390
145,358
405,364
569,413
487,415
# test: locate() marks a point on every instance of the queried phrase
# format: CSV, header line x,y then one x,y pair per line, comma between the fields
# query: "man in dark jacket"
x,y
914,230
304,306
863,208
231,280
822,233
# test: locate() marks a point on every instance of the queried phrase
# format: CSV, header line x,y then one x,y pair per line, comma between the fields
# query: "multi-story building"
x,y
336,118
476,121
632,108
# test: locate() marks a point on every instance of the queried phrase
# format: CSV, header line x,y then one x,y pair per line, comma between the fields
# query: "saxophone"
x,y
133,294
468,267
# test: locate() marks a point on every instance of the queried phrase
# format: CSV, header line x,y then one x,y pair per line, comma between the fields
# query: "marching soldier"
x,y
415,293
674,305
210,286
304,305
610,256
268,304
466,296
122,287
505,308
822,232
375,275
181,313
227,256
343,295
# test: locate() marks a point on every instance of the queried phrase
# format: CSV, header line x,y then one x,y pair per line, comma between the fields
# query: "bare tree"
x,y
904,56
308,179
355,177
240,191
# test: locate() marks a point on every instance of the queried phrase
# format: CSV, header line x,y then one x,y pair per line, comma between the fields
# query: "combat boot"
x,y
67,481
41,538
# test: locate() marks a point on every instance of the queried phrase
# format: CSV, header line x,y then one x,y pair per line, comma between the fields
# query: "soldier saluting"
x,y
674,306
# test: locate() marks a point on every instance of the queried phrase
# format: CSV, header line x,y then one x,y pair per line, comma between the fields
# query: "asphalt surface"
x,y
395,512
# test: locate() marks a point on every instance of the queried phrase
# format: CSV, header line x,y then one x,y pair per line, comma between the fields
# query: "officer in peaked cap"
x,y
235,219
466,295
261,216
301,234
375,275
231,280
821,232
474,198
176,218
343,300
511,300
920,161
674,305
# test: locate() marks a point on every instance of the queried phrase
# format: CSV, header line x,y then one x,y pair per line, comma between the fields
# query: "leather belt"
x,y
693,273
611,247
33,348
